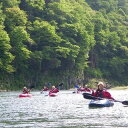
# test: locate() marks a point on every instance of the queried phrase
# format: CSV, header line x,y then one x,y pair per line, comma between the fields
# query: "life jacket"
x,y
81,89
45,89
25,91
99,93
55,90
87,90
102,94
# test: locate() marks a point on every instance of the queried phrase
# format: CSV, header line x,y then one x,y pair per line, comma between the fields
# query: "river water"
x,y
67,110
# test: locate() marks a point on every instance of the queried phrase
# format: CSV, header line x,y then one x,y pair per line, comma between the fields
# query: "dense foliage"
x,y
63,41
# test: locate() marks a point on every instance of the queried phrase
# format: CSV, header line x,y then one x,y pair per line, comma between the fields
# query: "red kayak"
x,y
52,94
25,95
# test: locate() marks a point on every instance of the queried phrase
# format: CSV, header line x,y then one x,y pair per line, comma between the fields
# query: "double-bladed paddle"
x,y
89,96
30,87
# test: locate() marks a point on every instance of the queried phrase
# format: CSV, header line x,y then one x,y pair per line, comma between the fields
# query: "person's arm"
x,y
29,90
94,93
108,95
22,90
51,91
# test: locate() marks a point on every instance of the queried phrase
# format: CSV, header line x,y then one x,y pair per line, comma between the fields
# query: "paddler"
x,y
54,90
26,90
45,89
102,92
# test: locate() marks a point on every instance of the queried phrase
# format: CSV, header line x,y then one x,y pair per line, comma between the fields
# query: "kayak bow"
x,y
25,95
101,103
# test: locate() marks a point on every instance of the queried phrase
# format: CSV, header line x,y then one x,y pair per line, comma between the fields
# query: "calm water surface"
x,y
67,110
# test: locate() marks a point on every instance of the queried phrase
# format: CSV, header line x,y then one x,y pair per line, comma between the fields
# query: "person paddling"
x,y
102,92
45,89
54,90
81,89
86,89
26,90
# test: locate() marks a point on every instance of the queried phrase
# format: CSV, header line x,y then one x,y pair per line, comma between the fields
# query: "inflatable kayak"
x,y
25,95
101,103
52,94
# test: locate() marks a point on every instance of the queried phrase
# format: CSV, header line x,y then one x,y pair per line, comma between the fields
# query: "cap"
x,y
100,83
53,86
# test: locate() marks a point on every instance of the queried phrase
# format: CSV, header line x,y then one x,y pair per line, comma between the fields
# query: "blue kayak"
x,y
101,103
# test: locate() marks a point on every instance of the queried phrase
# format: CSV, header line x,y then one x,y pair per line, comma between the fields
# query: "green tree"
x,y
18,38
105,6
16,20
15,17
10,3
74,29
33,8
6,57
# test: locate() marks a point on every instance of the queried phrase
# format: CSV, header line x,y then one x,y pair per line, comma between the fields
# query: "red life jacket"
x,y
87,90
55,90
81,89
25,91
45,89
102,94
84,89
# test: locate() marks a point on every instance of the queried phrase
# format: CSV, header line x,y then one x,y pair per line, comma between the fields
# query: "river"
x,y
67,110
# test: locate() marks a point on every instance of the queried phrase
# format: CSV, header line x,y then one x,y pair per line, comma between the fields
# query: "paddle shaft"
x,y
89,96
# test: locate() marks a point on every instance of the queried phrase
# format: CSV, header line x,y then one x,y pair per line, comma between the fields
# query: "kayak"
x,y
52,94
45,93
25,95
101,103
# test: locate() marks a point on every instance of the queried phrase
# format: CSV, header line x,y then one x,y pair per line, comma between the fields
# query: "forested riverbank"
x,y
69,41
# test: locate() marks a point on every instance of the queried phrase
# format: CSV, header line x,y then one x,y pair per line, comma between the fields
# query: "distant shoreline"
x,y
3,90
120,88
73,89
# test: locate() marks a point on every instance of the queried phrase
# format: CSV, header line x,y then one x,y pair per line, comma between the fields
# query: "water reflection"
x,y
67,110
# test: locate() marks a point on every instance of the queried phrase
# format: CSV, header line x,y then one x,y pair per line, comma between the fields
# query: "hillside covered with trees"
x,y
66,41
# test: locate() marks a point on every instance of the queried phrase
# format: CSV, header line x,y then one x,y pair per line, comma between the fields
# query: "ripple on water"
x,y
67,110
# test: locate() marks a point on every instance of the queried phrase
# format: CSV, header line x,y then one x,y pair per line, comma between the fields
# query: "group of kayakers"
x,y
101,90
52,90
82,88
45,88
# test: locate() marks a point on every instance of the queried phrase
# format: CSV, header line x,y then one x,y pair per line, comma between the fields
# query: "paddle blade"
x,y
88,96
61,84
31,87
76,86
125,102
